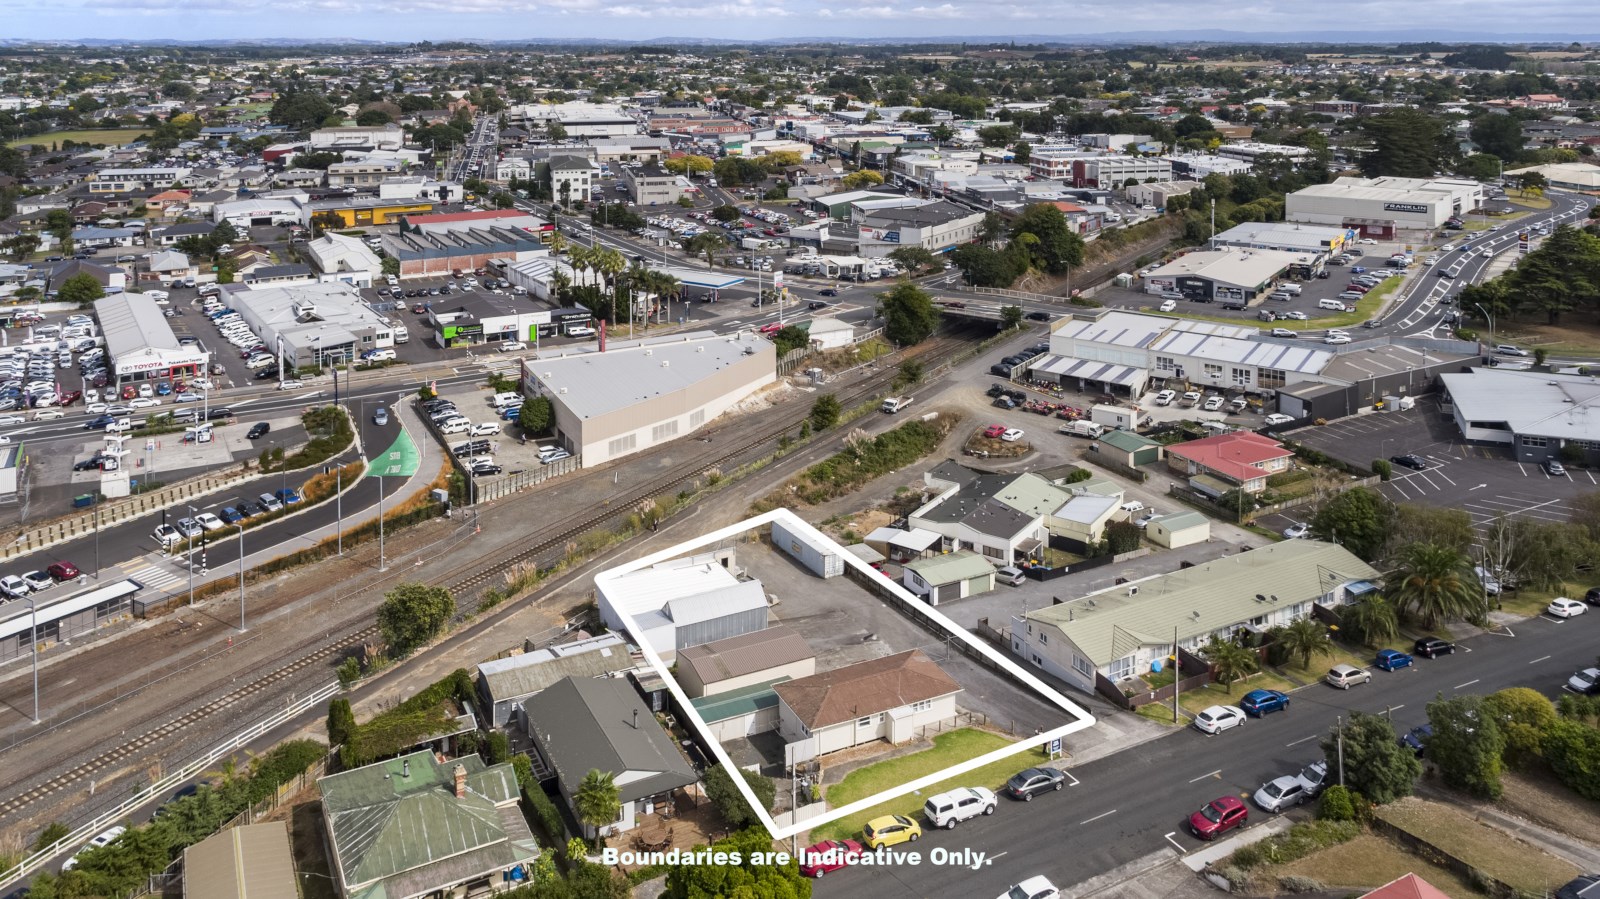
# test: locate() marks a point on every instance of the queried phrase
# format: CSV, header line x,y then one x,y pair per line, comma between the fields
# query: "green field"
x,y
117,137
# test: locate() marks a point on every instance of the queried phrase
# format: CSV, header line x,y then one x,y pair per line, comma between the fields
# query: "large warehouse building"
x,y
1288,237
1540,416
633,396
1383,207
1231,275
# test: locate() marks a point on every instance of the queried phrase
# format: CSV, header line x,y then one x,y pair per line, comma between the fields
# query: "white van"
x,y
1335,305
456,425
1290,289
505,400
1132,506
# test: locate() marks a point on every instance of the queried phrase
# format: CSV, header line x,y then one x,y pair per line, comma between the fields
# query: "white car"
x,y
946,810
97,408
1165,397
1038,887
11,419
166,535
13,586
512,346
143,402
1297,316
202,384
383,355
1219,718
1564,608
210,522
1297,531
1215,403
1168,305
103,839
1011,435
483,429
47,414
1336,339
1278,418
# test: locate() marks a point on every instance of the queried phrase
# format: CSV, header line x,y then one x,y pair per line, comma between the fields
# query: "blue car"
x,y
1416,738
1258,703
1390,659
288,496
230,515
1357,269
512,414
164,389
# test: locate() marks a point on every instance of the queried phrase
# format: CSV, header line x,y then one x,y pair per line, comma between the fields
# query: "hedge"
x,y
393,731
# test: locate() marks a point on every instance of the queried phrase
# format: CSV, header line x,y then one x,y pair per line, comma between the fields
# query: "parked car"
x,y
1219,718
287,495
1432,647
1565,608
948,809
1024,785
1314,777
100,840
188,527
1278,418
1280,794
1554,468
1297,531
1586,681
270,503
233,514
1506,349
1393,659
1039,887
63,571
1346,676
890,830
829,855
258,430
1416,739
1011,435
1410,460
1219,816
1260,703
39,580
994,431
13,587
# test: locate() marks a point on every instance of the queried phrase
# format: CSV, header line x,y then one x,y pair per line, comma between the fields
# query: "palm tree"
x,y
580,258
1305,638
609,264
597,800
1230,661
1434,582
1374,619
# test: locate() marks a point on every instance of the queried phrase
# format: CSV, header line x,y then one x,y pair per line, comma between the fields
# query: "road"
x,y
1128,805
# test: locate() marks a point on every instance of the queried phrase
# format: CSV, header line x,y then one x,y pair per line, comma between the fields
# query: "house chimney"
x,y
405,768
461,781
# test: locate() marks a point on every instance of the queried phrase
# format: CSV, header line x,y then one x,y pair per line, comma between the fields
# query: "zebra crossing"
x,y
165,575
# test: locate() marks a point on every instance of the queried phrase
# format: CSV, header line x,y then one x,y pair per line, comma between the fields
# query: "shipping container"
x,y
817,554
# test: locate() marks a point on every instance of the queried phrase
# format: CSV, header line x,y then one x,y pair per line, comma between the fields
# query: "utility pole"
x,y
1177,674
1341,750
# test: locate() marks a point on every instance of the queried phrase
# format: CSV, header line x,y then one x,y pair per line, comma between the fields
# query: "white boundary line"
x,y
609,579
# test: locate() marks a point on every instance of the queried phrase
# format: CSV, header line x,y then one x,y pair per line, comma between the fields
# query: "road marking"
x,y
1069,775
1302,740
1396,708
1176,845
1538,660
1479,487
1467,684
1204,776
1091,820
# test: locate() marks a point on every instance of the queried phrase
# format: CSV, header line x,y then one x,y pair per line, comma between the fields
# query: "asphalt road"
x,y
1135,802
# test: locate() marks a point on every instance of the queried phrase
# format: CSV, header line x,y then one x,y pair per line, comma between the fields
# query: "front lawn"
x,y
1370,861
1342,655
948,749
1456,833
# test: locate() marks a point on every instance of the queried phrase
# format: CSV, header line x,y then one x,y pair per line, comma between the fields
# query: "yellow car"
x,y
889,830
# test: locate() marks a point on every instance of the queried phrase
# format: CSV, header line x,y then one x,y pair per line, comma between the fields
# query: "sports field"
x,y
115,136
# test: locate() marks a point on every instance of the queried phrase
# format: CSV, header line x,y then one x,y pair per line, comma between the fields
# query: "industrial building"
x,y
354,212
1157,194
1112,172
1229,276
1383,207
140,343
357,139
310,324
637,395
682,603
340,257
425,253
936,227
650,185
1287,237
1252,150
1540,416
278,208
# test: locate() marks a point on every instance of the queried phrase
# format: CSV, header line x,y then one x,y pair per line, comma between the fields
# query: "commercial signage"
x,y
454,332
883,236
1405,207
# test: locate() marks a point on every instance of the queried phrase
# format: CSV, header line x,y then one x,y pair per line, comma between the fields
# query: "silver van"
x,y
1335,305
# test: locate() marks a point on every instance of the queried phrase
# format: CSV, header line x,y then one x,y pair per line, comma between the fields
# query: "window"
x,y
1044,637
1529,440
922,705
1038,661
1271,377
1165,363
622,444
1241,376
1082,666
1213,370
868,721
1122,668
697,418
994,552
1259,621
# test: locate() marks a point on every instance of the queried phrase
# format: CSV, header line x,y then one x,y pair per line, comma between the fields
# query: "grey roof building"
x,y
414,825
505,684
1541,416
584,724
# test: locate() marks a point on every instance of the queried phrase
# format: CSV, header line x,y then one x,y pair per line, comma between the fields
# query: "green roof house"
x,y
416,826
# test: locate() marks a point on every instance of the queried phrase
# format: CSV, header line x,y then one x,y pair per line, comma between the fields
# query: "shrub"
x,y
1295,883
545,814
349,671
1297,842
1336,805
53,832
397,729
1383,469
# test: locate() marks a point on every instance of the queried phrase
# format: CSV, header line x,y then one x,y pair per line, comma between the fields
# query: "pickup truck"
x,y
1081,429
895,403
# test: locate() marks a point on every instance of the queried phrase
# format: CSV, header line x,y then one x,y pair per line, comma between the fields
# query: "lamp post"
x,y
96,535
1487,317
190,557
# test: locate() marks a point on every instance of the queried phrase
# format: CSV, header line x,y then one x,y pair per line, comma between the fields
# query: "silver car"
x,y
1281,793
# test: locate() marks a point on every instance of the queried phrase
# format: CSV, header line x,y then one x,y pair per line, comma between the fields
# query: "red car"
x,y
772,328
1218,817
63,571
129,392
70,397
828,855
994,431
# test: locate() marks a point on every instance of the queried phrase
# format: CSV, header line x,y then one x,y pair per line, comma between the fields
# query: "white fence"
x,y
145,795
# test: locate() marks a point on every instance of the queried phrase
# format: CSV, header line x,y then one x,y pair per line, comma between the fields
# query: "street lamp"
x,y
1487,317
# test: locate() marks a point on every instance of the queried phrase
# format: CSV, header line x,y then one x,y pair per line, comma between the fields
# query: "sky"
x,y
413,20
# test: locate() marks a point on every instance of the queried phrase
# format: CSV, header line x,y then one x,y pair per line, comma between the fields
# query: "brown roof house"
x,y
748,659
418,825
880,699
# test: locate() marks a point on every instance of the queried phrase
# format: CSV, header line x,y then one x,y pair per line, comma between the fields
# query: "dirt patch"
x,y
309,846
1370,861
993,447
1491,851
1572,332
1539,798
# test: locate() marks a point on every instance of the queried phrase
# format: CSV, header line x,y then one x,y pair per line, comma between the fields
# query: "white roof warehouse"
x,y
1540,416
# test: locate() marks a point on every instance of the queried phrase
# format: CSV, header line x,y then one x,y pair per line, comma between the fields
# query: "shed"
x,y
1129,449
740,713
866,553
737,662
1179,529
831,333
818,554
251,861
881,539
954,575
916,543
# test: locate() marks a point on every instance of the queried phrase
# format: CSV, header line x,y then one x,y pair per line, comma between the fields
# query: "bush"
x,y
331,435
395,730
863,459
50,835
545,815
1383,469
1295,883
1336,805
349,671
1297,842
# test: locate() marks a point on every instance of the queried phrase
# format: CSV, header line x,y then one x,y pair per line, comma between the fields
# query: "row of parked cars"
x,y
168,535
13,586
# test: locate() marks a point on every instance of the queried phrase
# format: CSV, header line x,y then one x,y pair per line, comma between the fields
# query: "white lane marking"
x,y
1070,777
1204,776
1538,660
1465,685
1302,740
1176,845
1092,820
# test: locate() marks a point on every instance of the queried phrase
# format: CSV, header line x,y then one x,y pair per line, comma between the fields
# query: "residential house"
x,y
168,203
888,698
950,576
420,825
1410,886
1116,633
251,861
1236,460
1008,517
171,264
584,724
171,234
109,277
505,684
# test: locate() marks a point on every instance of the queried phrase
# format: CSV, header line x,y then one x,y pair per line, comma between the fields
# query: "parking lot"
x,y
1484,481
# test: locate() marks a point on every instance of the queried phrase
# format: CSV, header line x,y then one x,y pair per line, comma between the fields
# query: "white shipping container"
x,y
818,555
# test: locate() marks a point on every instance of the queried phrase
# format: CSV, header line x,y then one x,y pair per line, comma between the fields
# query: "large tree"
x,y
81,289
412,614
1374,762
724,794
1358,518
1434,583
909,316
746,880
1498,134
1467,744
301,110
1305,637
1407,143
1055,247
1372,620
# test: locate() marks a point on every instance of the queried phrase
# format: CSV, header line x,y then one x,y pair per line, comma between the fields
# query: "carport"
x,y
740,713
1091,377
916,543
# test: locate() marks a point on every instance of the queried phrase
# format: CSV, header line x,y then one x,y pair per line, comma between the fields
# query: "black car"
x,y
830,292
99,423
90,464
479,471
1432,647
435,405
223,412
816,304
1025,785
1037,316
471,448
1410,460
1416,739
996,390
270,373
1001,369
259,429
1593,596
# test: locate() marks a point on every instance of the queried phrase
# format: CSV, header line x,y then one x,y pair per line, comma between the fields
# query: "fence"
x,y
1197,673
792,359
1309,498
1014,294
83,832
487,491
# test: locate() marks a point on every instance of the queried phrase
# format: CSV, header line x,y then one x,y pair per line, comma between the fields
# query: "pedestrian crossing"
x,y
166,575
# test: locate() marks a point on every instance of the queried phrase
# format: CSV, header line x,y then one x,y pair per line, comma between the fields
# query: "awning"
x,y
916,540
1210,485
1066,366
1360,588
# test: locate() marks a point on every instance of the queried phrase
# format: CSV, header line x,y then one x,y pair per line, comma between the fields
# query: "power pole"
x,y
1340,741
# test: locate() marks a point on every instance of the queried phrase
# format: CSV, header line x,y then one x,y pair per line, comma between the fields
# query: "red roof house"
x,y
1242,458
1407,886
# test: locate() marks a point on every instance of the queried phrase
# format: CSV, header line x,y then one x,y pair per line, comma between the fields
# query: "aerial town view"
x,y
584,451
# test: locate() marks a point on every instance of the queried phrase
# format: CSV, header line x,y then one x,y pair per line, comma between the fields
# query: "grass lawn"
x,y
949,749
1196,701
1531,602
109,137
1511,861
1342,655
1159,712
1527,201
1370,861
